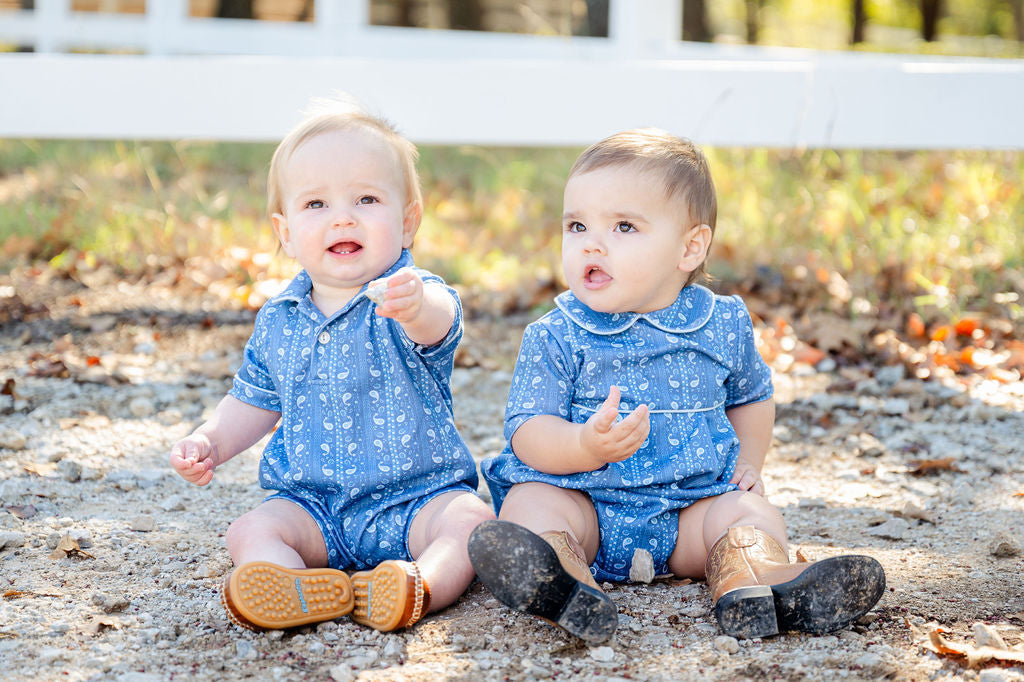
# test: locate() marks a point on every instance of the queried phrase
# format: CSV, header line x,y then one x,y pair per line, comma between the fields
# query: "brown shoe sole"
x,y
265,596
382,596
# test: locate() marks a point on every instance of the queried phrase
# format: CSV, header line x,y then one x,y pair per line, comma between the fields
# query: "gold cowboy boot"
x,y
546,576
264,596
391,596
758,593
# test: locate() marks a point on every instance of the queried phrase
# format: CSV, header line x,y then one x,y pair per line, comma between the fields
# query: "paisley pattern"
x,y
367,434
689,362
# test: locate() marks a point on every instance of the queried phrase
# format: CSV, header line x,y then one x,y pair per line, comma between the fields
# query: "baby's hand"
x,y
747,477
194,458
403,298
608,441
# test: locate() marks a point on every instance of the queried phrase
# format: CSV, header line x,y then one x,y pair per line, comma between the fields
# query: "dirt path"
x,y
105,378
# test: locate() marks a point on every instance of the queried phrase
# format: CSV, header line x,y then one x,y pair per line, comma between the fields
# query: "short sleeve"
x,y
253,383
443,352
750,379
543,379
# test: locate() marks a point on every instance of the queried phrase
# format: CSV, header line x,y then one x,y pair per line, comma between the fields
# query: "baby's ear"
x,y
695,247
411,222
284,235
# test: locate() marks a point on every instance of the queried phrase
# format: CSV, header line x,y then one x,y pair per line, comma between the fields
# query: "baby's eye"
x,y
315,203
625,227
368,200
575,227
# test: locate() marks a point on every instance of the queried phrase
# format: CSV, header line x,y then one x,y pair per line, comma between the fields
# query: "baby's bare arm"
x,y
233,427
425,311
556,446
753,425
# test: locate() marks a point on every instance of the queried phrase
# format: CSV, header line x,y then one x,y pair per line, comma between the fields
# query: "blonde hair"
x,y
330,115
681,164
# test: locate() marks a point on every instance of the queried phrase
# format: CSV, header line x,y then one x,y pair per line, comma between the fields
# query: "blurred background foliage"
x,y
936,231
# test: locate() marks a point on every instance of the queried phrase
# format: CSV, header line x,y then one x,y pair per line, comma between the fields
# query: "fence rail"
x,y
247,80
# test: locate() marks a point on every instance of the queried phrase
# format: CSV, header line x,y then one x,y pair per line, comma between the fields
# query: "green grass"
x,y
940,228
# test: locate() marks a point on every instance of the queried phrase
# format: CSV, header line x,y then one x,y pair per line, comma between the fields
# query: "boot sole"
x,y
523,572
381,596
265,596
830,595
747,612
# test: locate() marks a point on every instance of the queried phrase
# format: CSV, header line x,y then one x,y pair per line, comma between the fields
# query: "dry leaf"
x,y
975,656
22,511
7,635
924,466
17,594
94,627
1019,493
39,469
8,389
801,558
68,546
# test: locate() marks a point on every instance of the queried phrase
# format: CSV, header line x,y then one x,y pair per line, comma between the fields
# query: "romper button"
x,y
324,337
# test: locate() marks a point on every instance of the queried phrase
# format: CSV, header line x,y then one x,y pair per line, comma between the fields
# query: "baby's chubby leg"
x,y
437,541
279,532
541,507
705,521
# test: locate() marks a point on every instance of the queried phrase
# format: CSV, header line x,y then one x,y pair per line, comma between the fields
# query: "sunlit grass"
x,y
909,223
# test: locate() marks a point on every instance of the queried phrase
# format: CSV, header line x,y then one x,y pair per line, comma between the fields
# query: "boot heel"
x,y
747,612
589,614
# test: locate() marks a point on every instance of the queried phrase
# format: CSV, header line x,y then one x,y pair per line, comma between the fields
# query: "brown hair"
x,y
680,163
334,115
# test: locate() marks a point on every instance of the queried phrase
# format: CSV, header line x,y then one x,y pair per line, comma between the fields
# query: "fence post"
x,y
51,18
164,23
340,25
646,28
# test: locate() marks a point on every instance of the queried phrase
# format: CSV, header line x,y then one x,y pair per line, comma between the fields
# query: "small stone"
x,y
893,529
693,610
172,503
492,604
602,653
12,539
534,669
868,660
896,406
1004,545
110,603
70,471
82,536
812,503
141,407
342,673
642,568
912,510
377,292
245,650
996,675
12,440
143,524
275,635
726,644
986,635
394,649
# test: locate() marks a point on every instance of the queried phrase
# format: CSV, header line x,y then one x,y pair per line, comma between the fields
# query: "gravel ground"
x,y
99,383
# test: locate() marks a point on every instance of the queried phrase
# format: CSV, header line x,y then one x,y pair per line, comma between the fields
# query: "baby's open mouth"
x,y
595,275
345,248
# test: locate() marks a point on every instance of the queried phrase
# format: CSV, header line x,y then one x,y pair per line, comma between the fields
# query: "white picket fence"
x,y
248,80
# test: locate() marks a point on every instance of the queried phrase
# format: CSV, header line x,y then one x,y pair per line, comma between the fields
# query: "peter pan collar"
x,y
300,287
691,311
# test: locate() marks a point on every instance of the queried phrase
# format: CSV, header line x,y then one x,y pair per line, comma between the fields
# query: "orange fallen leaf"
x,y
92,360
801,558
923,466
975,656
915,326
1019,493
808,354
942,333
966,326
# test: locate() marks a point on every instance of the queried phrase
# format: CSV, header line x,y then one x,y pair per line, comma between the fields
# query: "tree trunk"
x,y
753,20
597,18
403,11
695,22
1018,18
234,9
466,15
859,19
931,10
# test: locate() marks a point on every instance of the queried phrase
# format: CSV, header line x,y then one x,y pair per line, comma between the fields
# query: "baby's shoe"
x,y
758,593
391,596
543,575
264,596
